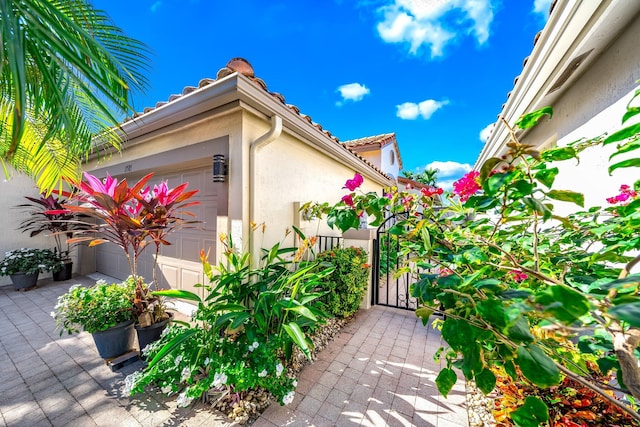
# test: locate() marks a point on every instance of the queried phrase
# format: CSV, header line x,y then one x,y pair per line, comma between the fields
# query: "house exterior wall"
x,y
592,105
373,156
13,191
290,173
390,163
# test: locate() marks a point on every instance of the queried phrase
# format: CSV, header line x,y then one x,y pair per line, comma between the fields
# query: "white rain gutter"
x,y
272,134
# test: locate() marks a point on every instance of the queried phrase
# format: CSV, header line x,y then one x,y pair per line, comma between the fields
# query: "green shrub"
x,y
347,284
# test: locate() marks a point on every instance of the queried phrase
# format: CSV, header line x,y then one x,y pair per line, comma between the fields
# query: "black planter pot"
x,y
151,333
24,280
64,273
114,341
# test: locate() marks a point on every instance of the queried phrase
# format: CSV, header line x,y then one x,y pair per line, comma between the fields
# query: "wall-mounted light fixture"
x,y
219,168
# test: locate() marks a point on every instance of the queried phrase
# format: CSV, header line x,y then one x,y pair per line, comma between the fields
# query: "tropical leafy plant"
x,y
522,282
66,74
131,218
245,328
96,308
428,176
346,285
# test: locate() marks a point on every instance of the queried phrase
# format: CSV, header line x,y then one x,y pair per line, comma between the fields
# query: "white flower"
x,y
183,400
253,346
130,382
186,373
178,360
263,373
288,398
295,383
219,379
53,314
166,389
279,369
207,361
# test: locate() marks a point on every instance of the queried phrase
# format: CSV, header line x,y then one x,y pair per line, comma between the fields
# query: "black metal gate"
x,y
390,285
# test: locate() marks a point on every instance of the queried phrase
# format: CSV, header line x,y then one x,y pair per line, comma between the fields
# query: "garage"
x,y
179,264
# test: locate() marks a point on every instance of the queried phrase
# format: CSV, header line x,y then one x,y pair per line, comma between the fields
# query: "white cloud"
x,y
486,132
411,110
449,169
542,7
353,92
433,24
155,6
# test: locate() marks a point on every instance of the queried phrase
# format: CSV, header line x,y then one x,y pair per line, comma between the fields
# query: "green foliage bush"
x,y
347,284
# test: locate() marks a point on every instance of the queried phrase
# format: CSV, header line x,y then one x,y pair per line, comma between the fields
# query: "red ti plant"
x,y
132,217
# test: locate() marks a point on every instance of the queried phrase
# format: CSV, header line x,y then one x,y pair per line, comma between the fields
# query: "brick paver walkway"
x,y
378,371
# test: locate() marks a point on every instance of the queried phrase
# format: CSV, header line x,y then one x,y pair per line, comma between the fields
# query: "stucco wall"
x,y
13,191
288,171
388,154
593,105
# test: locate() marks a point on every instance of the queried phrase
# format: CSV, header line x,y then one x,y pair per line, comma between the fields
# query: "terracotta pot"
x,y
24,280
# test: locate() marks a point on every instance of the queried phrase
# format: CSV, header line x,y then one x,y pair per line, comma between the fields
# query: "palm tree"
x,y
66,76
428,176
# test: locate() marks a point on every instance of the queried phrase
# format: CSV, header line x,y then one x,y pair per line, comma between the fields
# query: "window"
x,y
392,157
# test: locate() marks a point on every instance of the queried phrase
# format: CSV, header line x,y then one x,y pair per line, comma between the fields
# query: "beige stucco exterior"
x,y
590,102
13,190
276,161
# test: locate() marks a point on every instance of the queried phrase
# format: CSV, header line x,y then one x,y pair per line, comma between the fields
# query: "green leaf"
x,y
424,313
629,146
546,176
633,280
495,182
171,345
567,196
631,111
537,206
629,163
486,381
622,134
520,331
446,380
629,312
487,167
532,413
458,333
536,366
298,337
531,119
566,304
492,311
177,293
303,311
563,153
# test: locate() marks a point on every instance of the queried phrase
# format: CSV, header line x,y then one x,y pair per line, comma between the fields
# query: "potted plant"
x,y
46,215
24,265
104,310
133,218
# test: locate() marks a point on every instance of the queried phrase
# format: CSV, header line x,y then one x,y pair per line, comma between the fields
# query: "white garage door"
x,y
179,264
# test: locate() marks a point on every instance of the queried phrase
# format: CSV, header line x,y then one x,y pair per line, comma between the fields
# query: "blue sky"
x,y
435,72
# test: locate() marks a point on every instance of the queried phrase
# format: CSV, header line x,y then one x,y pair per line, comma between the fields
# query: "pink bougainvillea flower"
x,y
518,275
406,201
467,186
354,183
388,196
626,194
348,200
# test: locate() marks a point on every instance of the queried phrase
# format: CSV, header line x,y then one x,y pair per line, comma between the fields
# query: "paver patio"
x,y
378,371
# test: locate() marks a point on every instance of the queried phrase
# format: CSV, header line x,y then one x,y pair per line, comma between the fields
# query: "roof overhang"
x,y
576,33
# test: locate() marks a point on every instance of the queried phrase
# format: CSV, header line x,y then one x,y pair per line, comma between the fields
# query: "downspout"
x,y
262,141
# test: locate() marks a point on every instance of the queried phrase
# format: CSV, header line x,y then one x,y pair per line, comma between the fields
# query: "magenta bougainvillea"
x,y
626,195
467,186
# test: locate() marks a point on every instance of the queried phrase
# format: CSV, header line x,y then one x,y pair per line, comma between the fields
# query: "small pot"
x,y
24,280
64,273
151,333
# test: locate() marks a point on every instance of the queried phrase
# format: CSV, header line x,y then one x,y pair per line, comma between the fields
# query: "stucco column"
x,y
363,239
